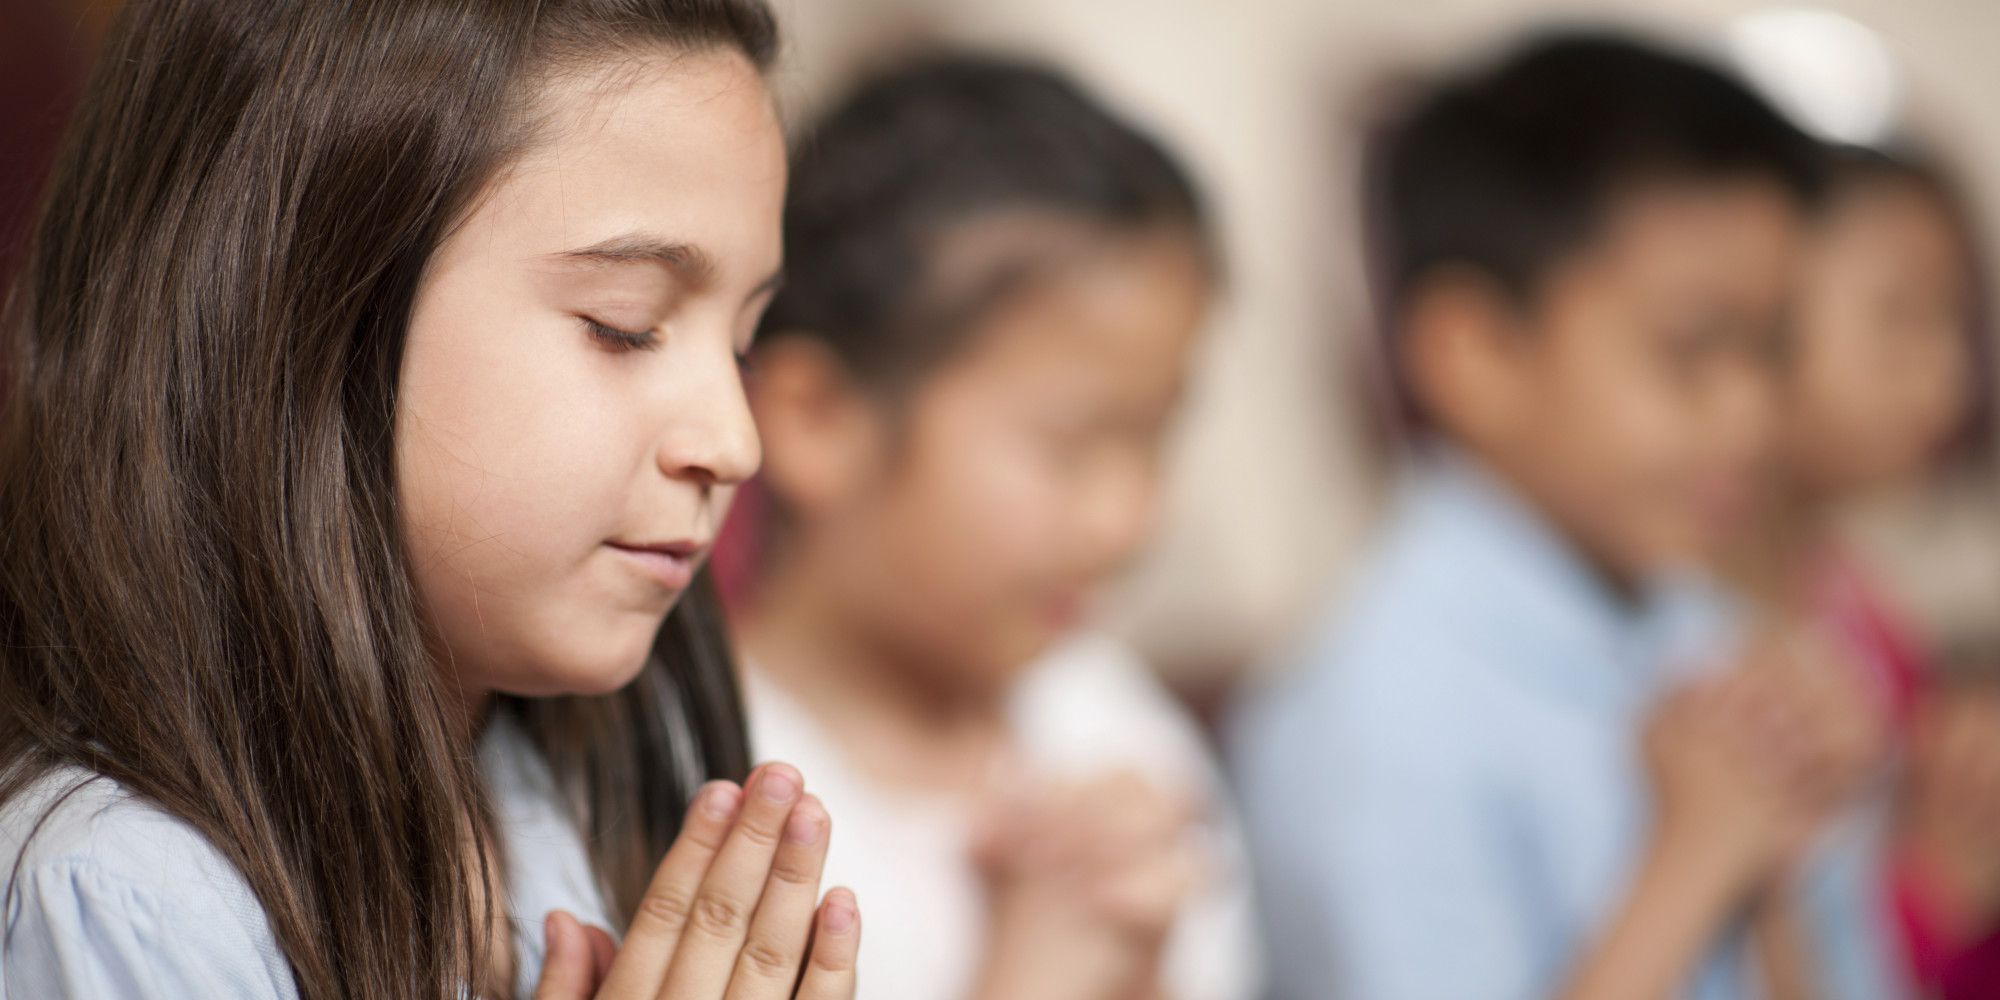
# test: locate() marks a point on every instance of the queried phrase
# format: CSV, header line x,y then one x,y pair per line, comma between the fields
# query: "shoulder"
x,y
1386,694
1415,655
547,862
107,894
1381,670
72,819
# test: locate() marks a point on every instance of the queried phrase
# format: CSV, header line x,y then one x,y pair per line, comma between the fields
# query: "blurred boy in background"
x,y
1512,766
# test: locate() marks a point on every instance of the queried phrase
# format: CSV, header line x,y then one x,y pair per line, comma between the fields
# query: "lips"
x,y
669,565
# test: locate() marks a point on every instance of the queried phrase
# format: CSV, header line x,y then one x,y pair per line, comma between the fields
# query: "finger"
x,y
836,943
602,950
1759,729
1035,837
1965,730
1084,818
662,918
769,965
1147,897
1143,822
1042,832
567,972
1770,651
1982,760
719,921
1001,823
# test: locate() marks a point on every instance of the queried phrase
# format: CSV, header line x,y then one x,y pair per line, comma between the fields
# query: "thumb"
x,y
569,969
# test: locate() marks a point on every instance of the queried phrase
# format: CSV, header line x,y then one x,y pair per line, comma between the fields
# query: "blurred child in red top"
x,y
1883,387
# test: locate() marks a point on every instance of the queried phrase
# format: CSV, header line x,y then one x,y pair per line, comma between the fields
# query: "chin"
x,y
582,672
591,683
1695,549
1010,656
612,670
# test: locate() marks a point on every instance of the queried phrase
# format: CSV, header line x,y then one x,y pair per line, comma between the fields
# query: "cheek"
x,y
1925,384
1659,467
963,533
1842,413
507,484
1617,417
494,450
1834,370
991,492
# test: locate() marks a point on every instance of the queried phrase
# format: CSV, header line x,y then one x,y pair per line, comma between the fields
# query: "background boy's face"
x,y
1880,369
1633,401
1020,475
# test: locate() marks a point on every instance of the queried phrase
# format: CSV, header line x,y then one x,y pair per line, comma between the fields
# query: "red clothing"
x,y
1938,966
739,551
43,56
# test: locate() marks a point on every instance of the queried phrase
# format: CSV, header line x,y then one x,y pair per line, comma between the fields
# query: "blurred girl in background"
x,y
964,388
1884,380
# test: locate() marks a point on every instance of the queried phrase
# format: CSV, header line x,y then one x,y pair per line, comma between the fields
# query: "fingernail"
x,y
840,913
551,926
778,784
721,799
804,826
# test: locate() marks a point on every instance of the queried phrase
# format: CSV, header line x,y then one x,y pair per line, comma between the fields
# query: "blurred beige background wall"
x,y
1275,476
1275,479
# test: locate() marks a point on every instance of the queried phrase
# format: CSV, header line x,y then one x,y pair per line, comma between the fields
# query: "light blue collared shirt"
x,y
116,898
1445,796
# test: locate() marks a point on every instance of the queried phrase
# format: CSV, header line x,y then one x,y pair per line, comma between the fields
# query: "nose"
x,y
710,437
1119,515
1747,418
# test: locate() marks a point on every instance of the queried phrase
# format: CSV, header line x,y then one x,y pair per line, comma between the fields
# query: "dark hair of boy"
x,y
1508,169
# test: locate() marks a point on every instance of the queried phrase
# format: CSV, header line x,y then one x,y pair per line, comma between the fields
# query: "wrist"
x,y
1709,863
1684,890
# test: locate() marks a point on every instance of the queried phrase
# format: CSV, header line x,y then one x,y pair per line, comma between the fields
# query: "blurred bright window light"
x,y
1829,71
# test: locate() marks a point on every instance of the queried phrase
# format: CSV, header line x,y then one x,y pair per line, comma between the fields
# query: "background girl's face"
x,y
1021,474
1880,375
571,422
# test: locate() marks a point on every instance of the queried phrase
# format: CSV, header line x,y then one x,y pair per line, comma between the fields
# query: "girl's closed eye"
x,y
618,339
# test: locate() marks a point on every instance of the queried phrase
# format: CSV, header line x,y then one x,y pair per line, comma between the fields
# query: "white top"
x,y
1087,709
116,898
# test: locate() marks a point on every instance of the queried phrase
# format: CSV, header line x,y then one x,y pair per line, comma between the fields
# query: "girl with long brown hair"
x,y
371,398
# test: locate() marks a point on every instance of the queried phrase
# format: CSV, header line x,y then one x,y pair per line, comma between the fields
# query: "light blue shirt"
x,y
1445,795
115,898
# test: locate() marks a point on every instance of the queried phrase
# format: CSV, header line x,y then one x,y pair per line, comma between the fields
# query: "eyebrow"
x,y
691,262
686,259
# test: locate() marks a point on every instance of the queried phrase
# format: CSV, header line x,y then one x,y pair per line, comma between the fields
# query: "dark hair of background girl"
x,y
916,156
203,589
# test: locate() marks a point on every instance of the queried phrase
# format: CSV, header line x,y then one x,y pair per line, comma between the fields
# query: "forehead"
x,y
1730,239
1118,316
1898,219
681,143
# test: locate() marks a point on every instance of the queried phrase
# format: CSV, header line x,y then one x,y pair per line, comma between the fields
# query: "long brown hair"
x,y
203,591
